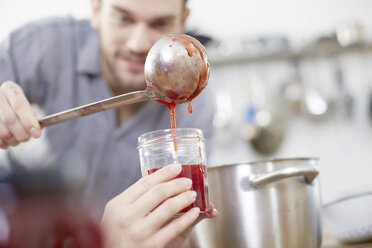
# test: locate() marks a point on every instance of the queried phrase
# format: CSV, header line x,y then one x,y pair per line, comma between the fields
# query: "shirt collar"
x,y
89,56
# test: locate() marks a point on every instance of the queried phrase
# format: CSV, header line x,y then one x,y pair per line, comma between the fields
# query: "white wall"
x,y
14,13
220,18
297,19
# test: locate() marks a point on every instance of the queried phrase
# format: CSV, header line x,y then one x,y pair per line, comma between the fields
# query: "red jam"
x,y
197,173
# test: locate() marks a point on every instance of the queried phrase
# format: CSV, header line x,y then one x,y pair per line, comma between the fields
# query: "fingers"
x,y
21,107
180,239
165,212
146,183
6,137
3,145
159,193
11,122
17,119
213,212
210,214
144,214
175,228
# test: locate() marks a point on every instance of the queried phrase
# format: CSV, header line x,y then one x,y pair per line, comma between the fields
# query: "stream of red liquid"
x,y
196,172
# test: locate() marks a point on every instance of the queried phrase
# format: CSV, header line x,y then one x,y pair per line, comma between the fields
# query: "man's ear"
x,y
185,15
96,11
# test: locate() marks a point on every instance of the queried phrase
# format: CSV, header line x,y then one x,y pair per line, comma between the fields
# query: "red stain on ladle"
x,y
192,47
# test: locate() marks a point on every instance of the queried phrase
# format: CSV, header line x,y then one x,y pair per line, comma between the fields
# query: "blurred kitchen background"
x,y
289,78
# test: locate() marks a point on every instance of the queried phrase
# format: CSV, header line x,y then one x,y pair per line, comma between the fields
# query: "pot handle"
x,y
258,181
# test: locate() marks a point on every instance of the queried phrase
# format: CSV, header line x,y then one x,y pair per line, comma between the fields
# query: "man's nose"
x,y
139,40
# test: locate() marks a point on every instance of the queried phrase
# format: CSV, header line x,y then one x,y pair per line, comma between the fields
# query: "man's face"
x,y
128,29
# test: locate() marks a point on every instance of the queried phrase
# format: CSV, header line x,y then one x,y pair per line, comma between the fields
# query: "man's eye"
x,y
161,24
122,19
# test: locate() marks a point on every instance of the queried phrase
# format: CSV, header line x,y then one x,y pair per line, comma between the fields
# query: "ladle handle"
x,y
109,103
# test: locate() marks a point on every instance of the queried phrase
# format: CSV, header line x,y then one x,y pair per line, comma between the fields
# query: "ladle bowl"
x,y
177,67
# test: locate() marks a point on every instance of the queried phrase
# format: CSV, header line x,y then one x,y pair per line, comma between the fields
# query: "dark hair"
x,y
184,1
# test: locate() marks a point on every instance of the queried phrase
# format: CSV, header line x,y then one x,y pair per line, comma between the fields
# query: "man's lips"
x,y
133,64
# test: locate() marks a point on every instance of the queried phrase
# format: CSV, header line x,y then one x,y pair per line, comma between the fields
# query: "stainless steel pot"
x,y
263,204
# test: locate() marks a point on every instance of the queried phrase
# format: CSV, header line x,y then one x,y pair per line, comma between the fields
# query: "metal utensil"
x,y
177,67
269,203
176,71
270,131
345,100
113,102
316,105
370,105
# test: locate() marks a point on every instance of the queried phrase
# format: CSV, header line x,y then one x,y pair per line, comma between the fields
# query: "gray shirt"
x,y
56,62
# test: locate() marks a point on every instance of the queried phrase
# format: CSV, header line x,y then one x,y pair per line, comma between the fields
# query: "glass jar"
x,y
182,145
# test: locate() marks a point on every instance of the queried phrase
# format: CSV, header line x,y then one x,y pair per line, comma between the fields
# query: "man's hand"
x,y
18,122
144,214
180,239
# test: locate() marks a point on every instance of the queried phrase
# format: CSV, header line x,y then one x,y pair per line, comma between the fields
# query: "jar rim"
x,y
166,134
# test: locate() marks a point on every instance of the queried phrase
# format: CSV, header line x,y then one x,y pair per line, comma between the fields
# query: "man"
x,y
63,63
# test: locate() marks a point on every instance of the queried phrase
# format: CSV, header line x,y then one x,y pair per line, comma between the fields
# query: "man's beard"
x,y
117,84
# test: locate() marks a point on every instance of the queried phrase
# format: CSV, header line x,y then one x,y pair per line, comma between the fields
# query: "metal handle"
x,y
113,102
258,181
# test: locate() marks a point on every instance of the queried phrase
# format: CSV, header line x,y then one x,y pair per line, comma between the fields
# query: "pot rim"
x,y
255,162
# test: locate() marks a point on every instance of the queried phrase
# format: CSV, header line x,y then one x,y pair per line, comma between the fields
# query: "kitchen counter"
x,y
328,242
338,245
